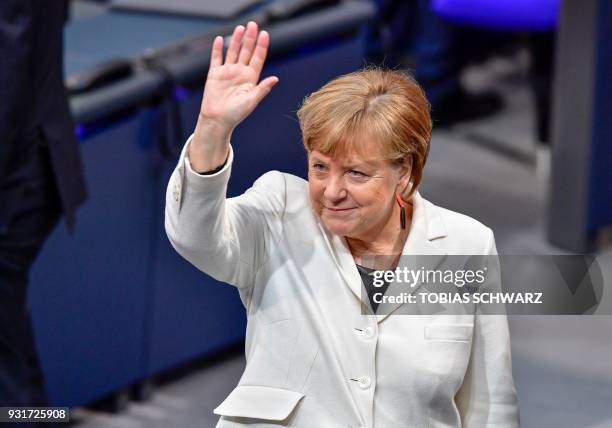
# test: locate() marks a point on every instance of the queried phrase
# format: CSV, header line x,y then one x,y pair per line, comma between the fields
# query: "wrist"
x,y
214,128
209,147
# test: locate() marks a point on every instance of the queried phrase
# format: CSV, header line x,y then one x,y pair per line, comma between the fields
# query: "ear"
x,y
405,174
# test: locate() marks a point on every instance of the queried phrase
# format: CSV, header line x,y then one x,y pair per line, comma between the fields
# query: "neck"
x,y
387,240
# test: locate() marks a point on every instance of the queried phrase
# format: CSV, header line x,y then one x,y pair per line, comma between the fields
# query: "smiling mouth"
x,y
339,209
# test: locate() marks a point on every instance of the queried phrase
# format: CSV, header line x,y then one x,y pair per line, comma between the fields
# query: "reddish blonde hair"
x,y
386,106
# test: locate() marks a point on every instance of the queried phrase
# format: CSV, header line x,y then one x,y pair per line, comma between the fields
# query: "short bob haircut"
x,y
386,106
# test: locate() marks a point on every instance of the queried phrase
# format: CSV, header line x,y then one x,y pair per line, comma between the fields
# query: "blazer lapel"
x,y
344,261
419,251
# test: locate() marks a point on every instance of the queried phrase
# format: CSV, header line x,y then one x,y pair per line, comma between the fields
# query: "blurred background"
x,y
130,335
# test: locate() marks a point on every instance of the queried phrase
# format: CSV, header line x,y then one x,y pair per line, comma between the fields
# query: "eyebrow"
x,y
364,163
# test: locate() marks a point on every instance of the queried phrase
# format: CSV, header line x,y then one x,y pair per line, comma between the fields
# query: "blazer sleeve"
x,y
487,397
227,238
15,46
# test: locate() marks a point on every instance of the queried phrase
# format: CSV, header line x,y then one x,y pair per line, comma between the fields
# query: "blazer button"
x,y
176,192
367,332
364,382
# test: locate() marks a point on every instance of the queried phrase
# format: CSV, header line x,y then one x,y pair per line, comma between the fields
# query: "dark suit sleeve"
x,y
15,45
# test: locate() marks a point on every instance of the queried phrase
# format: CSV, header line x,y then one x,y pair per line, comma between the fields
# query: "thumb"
x,y
263,88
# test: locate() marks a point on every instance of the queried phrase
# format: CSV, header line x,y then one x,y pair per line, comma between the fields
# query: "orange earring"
x,y
402,211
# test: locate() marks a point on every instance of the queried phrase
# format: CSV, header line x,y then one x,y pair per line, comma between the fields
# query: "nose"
x,y
335,190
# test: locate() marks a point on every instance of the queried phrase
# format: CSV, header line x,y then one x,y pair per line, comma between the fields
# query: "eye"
x,y
318,166
356,173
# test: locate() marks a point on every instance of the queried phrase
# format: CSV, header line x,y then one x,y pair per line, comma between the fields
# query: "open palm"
x,y
232,90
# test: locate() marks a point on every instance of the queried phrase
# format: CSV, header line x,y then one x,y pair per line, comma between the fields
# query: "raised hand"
x,y
232,90
231,93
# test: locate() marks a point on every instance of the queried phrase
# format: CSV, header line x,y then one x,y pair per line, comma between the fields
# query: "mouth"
x,y
339,210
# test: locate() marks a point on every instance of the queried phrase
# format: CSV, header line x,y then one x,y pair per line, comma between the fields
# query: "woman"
x,y
317,353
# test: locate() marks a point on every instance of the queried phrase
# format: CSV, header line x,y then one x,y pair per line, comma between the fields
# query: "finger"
x,y
234,47
248,43
263,88
261,51
216,55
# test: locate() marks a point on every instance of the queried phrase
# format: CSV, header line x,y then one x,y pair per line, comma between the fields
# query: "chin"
x,y
338,228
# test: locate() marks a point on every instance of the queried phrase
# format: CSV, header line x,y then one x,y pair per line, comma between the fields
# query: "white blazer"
x,y
313,359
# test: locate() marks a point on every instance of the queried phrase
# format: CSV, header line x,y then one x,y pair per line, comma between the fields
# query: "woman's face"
x,y
354,195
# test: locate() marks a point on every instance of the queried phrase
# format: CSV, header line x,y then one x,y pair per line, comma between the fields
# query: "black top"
x,y
368,281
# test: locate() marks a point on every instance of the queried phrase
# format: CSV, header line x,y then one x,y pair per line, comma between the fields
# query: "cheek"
x,y
375,202
374,196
